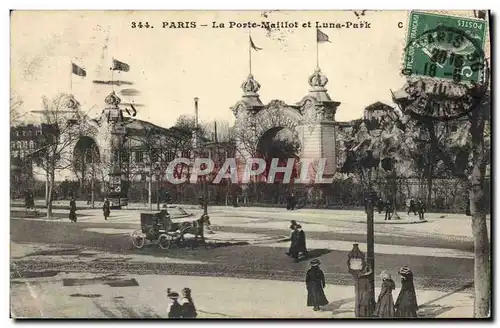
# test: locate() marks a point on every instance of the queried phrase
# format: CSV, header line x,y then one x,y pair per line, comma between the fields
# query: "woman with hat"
x,y
315,282
385,303
188,308
298,243
406,305
175,309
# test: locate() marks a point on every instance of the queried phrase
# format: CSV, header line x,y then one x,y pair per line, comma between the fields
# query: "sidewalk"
x,y
145,296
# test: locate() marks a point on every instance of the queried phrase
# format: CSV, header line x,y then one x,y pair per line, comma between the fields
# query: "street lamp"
x,y
368,163
158,175
356,264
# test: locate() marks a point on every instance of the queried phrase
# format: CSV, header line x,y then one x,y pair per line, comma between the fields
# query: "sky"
x,y
171,66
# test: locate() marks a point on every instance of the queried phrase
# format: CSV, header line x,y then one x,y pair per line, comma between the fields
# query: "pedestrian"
x,y
315,283
106,209
292,201
293,225
406,305
288,201
388,210
385,303
366,299
380,205
188,308
174,309
72,210
421,209
412,206
298,243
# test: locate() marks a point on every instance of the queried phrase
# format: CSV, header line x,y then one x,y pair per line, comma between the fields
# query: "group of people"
x,y
183,309
406,305
386,207
417,206
297,241
414,206
106,209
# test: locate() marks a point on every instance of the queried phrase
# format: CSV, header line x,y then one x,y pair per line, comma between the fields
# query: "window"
x,y
13,145
139,156
30,133
38,132
186,154
32,144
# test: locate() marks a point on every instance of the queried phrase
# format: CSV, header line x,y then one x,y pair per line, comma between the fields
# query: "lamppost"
x,y
158,177
356,264
368,163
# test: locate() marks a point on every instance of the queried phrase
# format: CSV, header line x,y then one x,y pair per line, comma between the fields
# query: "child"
x,y
175,309
188,308
385,303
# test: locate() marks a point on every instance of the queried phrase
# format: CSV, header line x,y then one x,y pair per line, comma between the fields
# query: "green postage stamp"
x,y
445,47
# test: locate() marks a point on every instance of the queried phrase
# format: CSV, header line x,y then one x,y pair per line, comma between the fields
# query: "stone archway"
x,y
86,160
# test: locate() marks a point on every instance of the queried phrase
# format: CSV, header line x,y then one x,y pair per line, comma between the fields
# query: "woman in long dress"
x,y
72,210
106,209
385,303
188,308
315,282
406,305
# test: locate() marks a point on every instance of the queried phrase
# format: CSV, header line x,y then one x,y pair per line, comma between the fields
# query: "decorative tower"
x,y
115,131
318,125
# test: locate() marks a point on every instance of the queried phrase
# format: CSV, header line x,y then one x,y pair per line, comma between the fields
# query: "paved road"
x,y
252,261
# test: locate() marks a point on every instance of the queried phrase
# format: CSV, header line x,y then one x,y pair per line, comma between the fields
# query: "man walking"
x,y
421,209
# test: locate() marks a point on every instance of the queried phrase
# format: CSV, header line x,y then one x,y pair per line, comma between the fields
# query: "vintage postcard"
x,y
250,164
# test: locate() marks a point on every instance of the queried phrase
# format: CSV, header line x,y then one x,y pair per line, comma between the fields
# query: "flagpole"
x,y
249,51
317,49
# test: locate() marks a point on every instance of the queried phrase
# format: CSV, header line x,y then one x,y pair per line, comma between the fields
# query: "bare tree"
x,y
15,110
63,130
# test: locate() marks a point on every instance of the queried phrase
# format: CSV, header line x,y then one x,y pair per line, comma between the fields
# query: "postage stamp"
x,y
445,65
176,164
446,47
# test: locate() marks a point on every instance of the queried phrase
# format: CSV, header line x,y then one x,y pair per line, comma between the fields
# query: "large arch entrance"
x,y
86,163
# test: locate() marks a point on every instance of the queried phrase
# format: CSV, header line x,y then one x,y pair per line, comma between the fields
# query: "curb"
x,y
251,242
395,222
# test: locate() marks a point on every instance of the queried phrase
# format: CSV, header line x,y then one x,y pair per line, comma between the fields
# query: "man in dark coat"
x,y
412,207
72,210
106,209
293,225
388,210
315,283
298,243
420,209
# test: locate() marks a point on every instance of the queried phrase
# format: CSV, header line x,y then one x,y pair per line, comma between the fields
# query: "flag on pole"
x,y
253,45
321,37
120,66
77,70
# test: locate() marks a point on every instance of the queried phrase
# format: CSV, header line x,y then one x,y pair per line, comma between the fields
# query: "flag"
x,y
77,70
253,45
119,66
321,37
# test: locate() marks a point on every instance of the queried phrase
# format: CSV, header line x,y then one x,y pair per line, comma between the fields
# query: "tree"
x,y
15,114
60,130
